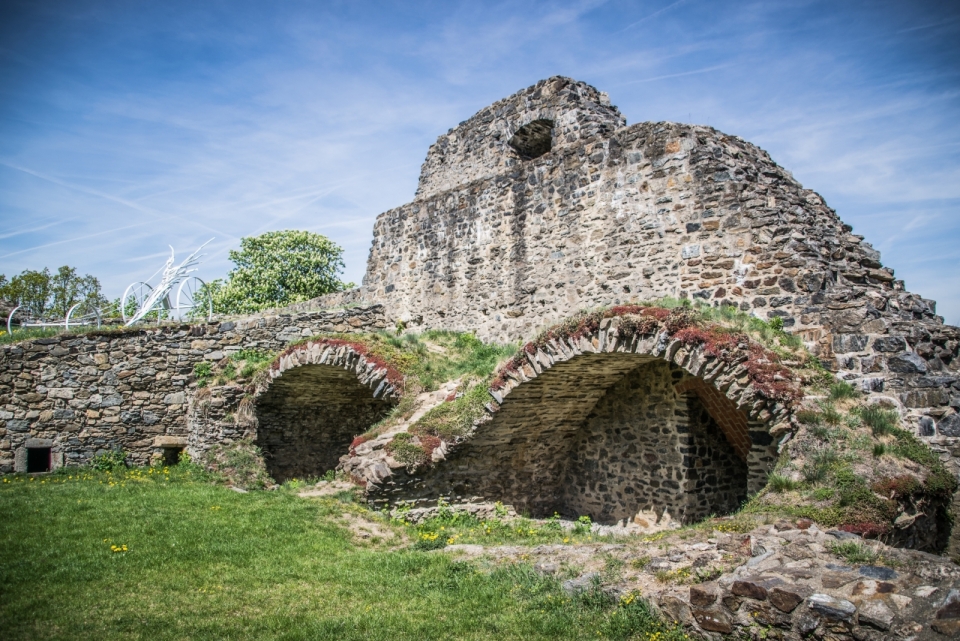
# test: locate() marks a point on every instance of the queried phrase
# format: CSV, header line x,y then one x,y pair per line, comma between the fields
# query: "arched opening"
x,y
533,139
646,446
308,417
611,435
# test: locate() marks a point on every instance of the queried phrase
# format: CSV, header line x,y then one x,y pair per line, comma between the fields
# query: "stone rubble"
x,y
775,582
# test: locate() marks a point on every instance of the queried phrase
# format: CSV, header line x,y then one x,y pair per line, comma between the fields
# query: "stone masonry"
x,y
86,394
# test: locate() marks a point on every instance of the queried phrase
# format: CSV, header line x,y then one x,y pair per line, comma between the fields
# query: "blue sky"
x,y
129,126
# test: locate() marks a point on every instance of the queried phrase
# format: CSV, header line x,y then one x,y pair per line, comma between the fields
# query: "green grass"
x,y
204,562
437,356
843,390
854,553
454,419
880,421
780,483
451,526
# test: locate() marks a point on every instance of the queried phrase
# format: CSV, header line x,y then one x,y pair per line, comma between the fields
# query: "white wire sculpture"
x,y
143,298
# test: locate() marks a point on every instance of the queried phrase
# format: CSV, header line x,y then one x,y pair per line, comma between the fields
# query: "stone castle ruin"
x,y
540,205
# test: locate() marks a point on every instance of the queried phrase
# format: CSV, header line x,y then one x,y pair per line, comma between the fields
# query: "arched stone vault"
x,y
317,398
607,426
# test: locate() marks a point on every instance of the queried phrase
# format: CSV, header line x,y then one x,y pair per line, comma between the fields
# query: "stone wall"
x,y
716,481
85,394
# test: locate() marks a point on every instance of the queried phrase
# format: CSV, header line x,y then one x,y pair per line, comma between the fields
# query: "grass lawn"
x,y
164,553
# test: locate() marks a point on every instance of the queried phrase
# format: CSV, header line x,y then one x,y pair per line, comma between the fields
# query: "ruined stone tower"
x,y
546,203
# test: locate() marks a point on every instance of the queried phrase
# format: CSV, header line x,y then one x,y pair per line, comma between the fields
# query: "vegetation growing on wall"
x,y
850,466
726,335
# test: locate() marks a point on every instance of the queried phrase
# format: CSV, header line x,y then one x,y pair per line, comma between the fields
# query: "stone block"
x,y
177,398
713,620
703,595
170,441
950,608
749,589
949,425
875,613
907,363
787,598
832,608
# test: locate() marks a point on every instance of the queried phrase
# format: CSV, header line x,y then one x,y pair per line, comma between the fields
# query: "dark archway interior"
x,y
604,435
533,139
308,418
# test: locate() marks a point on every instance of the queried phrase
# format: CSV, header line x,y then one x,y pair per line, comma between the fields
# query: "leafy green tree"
x,y
44,295
68,289
31,290
279,268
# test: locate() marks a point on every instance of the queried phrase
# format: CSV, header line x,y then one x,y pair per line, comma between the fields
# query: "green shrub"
x,y
853,552
809,417
842,390
823,493
240,463
831,416
109,461
910,447
582,525
816,468
253,361
821,432
454,419
940,482
881,421
203,373
879,449
430,541
779,483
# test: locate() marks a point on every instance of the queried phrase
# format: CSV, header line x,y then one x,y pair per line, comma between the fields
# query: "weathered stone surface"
x,y
875,613
676,609
832,607
786,599
949,425
950,609
581,583
714,620
703,595
749,589
908,363
947,627
629,213
878,572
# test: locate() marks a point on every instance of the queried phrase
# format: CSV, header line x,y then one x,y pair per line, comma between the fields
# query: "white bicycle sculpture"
x,y
140,298
79,315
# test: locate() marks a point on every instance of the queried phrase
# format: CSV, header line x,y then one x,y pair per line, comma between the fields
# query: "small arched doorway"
x,y
308,417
